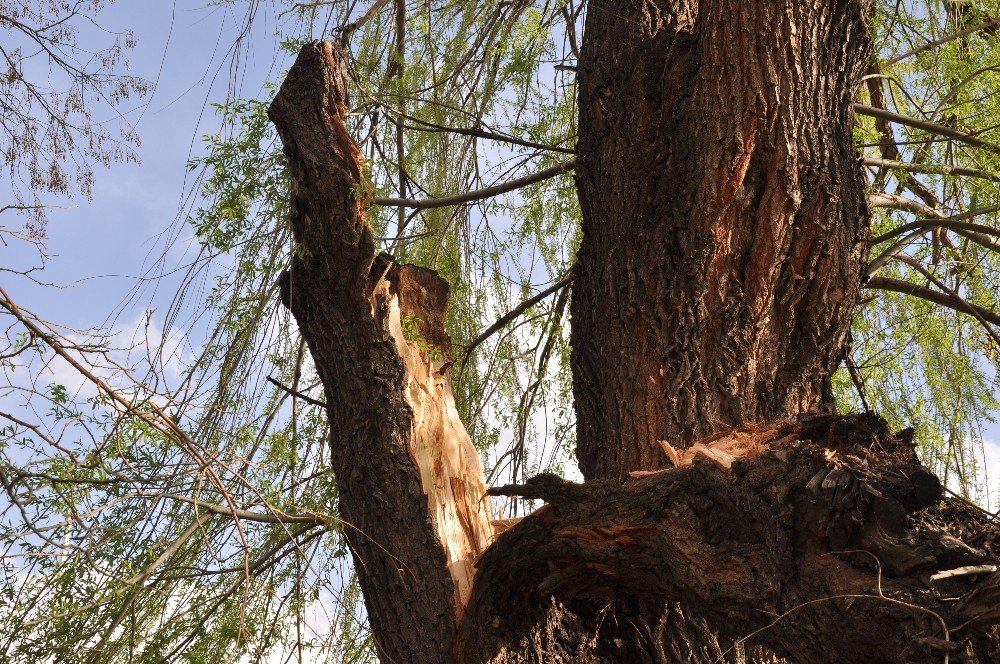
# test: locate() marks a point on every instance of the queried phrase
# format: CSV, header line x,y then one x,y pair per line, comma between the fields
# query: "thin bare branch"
x,y
479,194
295,393
515,312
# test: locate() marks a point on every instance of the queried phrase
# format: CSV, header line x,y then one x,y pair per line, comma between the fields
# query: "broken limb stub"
x,y
410,482
821,544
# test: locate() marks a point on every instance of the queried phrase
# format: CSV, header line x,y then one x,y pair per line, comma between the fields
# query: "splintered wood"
x,y
724,448
450,469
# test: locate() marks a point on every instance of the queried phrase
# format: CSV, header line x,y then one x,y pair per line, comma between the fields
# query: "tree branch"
x,y
930,169
931,295
295,393
930,127
272,516
954,295
978,233
479,194
480,133
951,223
515,312
410,481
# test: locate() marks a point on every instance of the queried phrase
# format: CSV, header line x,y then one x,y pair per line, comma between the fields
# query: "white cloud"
x,y
132,352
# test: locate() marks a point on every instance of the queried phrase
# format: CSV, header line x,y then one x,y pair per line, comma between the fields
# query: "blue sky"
x,y
182,47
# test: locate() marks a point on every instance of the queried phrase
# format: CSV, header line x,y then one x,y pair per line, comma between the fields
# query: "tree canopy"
x,y
166,505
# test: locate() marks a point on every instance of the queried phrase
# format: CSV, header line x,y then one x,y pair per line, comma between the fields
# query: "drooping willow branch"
x,y
161,422
931,45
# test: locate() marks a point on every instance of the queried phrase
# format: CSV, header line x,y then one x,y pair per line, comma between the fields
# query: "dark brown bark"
x,y
410,483
821,544
720,274
724,222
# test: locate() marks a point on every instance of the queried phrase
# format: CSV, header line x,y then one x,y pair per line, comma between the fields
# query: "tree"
x,y
49,95
709,228
729,512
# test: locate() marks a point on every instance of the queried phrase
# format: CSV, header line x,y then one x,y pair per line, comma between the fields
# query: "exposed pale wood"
x,y
745,444
450,469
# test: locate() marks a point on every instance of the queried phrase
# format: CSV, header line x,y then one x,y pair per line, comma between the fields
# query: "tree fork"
x,y
821,540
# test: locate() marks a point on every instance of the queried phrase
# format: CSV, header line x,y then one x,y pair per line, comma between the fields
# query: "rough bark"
x,y
410,482
724,222
820,542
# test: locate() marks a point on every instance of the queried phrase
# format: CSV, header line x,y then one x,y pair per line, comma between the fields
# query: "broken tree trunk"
x,y
410,482
821,540
824,541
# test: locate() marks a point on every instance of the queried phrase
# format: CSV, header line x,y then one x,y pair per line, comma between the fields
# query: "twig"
x,y
990,515
882,598
296,393
965,571
859,384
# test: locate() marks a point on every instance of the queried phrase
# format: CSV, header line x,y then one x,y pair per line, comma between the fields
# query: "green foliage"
x,y
111,490
411,330
923,365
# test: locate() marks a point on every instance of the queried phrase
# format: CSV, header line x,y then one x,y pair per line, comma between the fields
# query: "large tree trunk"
x,y
724,225
724,218
720,273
